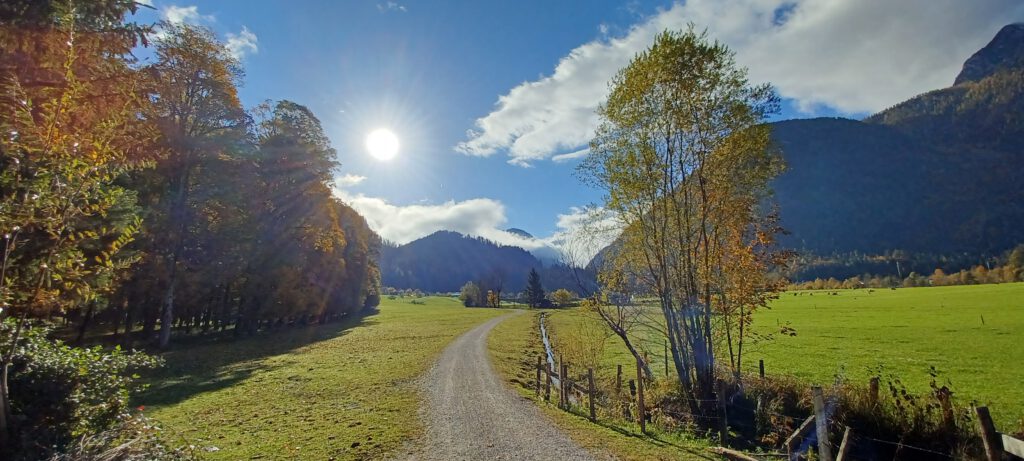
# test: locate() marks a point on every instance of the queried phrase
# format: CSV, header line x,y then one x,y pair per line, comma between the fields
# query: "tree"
x,y
68,113
470,295
493,299
562,297
684,157
197,110
534,289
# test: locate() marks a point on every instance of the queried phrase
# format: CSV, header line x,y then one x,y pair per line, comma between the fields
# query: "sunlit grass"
x,y
515,345
329,392
857,334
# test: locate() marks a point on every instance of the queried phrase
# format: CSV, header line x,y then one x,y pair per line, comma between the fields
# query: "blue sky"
x,y
487,98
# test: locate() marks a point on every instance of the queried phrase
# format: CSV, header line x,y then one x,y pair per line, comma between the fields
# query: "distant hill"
x,y
519,232
444,261
939,174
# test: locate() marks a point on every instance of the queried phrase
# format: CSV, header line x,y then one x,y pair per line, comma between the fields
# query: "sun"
x,y
382,144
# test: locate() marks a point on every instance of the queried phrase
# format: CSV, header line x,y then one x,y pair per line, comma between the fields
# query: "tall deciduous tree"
x,y
69,108
684,157
196,108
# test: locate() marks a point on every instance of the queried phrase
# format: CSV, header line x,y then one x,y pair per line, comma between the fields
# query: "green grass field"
x,y
861,333
339,391
896,334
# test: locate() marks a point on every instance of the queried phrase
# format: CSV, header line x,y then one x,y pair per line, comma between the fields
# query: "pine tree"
x,y
534,289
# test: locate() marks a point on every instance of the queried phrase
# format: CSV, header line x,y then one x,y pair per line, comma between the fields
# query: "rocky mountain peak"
x,y
1005,51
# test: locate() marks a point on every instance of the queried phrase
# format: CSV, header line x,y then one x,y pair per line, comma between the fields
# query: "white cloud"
x,y
187,14
348,180
241,44
391,6
581,232
561,158
850,56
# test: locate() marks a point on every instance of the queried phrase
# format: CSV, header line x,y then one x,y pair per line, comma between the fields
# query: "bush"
x,y
59,393
134,439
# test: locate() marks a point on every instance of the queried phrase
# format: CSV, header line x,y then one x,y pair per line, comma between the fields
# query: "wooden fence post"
x,y
566,387
844,446
641,412
873,391
821,424
547,385
760,364
561,381
993,442
590,388
540,360
618,380
723,417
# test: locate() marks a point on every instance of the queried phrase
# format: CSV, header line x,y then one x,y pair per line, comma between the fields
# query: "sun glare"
x,y
382,144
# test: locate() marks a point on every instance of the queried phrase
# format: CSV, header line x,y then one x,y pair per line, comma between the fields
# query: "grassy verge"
x,y
515,345
341,391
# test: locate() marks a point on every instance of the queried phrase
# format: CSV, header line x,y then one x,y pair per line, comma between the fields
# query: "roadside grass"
x,y
514,346
338,391
856,334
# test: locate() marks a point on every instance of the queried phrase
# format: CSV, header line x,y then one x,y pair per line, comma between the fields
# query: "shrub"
x,y
133,439
59,393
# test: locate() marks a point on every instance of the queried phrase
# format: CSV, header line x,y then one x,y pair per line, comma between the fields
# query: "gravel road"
x,y
472,414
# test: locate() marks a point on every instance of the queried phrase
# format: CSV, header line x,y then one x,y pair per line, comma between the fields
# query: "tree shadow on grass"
x,y
649,438
198,365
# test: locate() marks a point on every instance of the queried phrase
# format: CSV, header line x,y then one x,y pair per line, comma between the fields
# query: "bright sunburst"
x,y
382,144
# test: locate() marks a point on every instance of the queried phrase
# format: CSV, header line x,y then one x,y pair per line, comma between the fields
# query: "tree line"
x,y
144,194
1009,272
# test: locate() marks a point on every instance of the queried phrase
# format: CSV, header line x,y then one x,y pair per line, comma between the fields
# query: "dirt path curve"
x,y
472,414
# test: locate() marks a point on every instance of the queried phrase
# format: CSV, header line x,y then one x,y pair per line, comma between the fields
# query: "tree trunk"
x,y
86,319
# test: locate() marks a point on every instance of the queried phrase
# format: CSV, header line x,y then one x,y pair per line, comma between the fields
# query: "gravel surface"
x,y
472,414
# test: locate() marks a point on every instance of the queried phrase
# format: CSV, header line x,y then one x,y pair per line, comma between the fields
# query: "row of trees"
x,y
976,276
475,294
146,195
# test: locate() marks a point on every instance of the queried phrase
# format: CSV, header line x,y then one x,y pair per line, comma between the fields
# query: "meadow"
x,y
970,337
339,391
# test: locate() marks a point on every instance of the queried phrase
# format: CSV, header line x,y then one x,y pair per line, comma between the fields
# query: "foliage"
x,y
684,156
59,393
136,438
562,297
470,295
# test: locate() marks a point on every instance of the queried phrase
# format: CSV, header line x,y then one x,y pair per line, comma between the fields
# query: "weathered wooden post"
x,y
760,364
821,424
547,386
844,446
566,387
723,417
993,442
561,381
618,380
873,391
540,361
590,392
641,412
